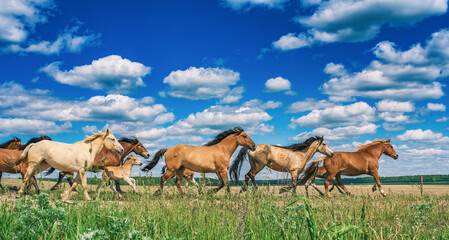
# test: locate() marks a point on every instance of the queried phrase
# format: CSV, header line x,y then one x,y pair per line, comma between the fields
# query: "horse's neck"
x,y
96,146
127,148
313,148
376,151
127,166
228,145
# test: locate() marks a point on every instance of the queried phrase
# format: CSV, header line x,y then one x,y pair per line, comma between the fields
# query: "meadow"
x,y
261,214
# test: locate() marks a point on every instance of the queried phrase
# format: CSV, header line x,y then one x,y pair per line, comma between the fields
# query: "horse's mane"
x,y
5,144
34,140
223,135
94,136
300,146
361,148
132,140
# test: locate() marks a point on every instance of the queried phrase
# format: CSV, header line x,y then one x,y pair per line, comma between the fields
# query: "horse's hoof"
x,y
157,193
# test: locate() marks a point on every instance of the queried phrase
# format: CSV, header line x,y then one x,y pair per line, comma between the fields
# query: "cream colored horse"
x,y
77,157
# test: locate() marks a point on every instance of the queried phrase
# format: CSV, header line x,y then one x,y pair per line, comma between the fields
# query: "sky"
x,y
170,72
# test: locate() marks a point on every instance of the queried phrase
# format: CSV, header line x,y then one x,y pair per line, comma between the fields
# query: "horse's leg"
x,y
221,178
60,178
294,174
194,182
131,183
168,174
340,183
179,176
115,191
65,195
28,174
117,186
36,186
1,186
84,184
252,174
377,179
329,178
103,181
374,187
338,188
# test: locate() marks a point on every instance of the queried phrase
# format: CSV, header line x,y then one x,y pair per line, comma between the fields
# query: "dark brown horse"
x,y
14,143
363,161
108,158
9,156
290,159
213,157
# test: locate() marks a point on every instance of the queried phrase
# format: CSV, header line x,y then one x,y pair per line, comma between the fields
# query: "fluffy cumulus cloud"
x,y
408,75
394,106
204,83
112,73
420,135
354,21
353,114
10,126
18,19
438,107
309,104
246,4
279,84
339,133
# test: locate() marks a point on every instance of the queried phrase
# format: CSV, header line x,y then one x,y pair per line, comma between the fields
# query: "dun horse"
x,y
8,157
363,161
109,158
213,157
291,159
77,157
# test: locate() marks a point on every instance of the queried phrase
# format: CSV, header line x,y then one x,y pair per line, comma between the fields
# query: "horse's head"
x,y
15,144
133,160
141,150
111,143
244,140
324,148
389,150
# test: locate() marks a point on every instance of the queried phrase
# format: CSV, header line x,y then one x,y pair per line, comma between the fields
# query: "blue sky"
x,y
174,72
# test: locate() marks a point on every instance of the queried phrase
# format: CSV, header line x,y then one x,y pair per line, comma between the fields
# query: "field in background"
x,y
262,214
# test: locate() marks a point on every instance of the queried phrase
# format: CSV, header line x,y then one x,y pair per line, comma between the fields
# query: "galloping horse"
x,y
77,157
363,161
9,156
213,157
188,175
109,158
291,159
14,143
320,172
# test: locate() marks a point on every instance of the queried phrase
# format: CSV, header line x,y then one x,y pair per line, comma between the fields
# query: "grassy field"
x,y
262,214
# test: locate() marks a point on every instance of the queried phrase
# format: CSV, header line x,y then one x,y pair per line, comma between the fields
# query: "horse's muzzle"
x,y
395,156
140,164
146,155
119,150
331,155
253,147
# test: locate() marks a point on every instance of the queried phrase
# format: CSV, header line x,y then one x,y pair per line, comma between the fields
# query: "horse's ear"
x,y
108,131
238,129
388,140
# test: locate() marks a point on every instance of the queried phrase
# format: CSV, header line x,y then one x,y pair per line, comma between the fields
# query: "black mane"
x,y
5,144
34,140
301,146
132,140
223,135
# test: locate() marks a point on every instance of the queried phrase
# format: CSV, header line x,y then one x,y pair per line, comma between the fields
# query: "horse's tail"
x,y
24,155
236,166
311,171
155,159
49,171
164,169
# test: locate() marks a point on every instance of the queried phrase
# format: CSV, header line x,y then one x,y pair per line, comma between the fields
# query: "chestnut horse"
x,y
14,143
365,160
109,158
291,159
320,172
9,156
77,157
213,157
188,175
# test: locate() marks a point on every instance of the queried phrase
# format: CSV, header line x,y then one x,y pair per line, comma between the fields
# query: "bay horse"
x,y
109,158
212,157
365,160
290,159
8,157
14,143
77,157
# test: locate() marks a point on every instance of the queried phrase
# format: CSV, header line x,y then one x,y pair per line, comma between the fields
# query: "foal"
x,y
122,172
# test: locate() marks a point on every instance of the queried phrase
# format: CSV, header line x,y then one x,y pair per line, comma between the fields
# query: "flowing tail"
x,y
236,167
311,171
49,171
24,155
155,160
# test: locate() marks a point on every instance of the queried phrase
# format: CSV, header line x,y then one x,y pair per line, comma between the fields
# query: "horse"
x,y
291,159
9,156
188,175
109,158
117,173
77,157
320,173
365,160
14,143
212,157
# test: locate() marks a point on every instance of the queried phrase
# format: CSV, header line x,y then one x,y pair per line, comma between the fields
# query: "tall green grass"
x,y
258,214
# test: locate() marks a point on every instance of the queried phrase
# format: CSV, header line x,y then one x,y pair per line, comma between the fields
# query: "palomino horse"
x,y
14,143
8,157
213,157
77,157
363,161
109,158
188,175
291,159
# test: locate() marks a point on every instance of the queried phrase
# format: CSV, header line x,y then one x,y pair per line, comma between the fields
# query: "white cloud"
x,y
309,104
9,126
354,21
353,114
203,83
443,119
112,73
436,107
394,106
240,4
279,84
394,117
233,96
335,69
339,133
422,136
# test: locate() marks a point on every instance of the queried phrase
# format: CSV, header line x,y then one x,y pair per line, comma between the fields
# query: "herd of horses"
x,y
102,151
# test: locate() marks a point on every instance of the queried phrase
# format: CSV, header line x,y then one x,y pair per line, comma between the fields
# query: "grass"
x,y
262,214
